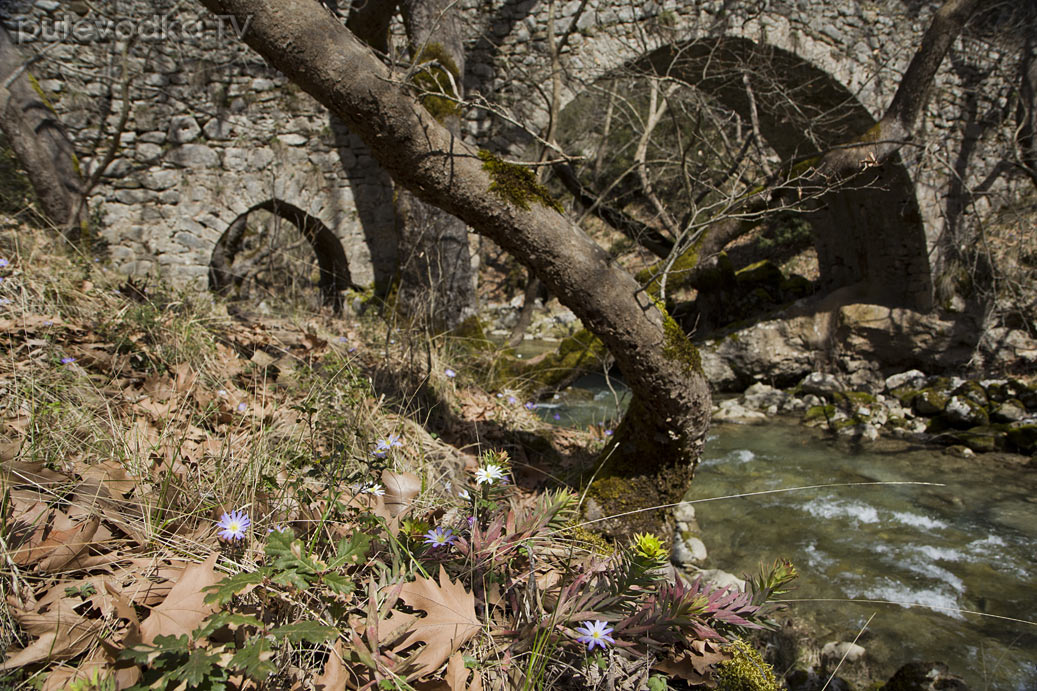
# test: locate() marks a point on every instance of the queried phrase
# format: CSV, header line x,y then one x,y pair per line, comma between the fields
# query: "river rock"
x,y
1023,438
924,676
688,550
964,413
1009,411
733,411
912,379
928,403
834,652
821,384
760,396
859,432
721,579
780,351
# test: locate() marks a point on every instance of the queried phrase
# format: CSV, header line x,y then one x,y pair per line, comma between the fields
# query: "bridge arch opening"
x,y
277,248
869,235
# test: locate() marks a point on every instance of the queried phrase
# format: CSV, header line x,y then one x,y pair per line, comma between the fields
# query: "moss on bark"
x,y
436,82
516,184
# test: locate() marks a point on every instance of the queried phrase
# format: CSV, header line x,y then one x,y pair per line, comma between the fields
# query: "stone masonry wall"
x,y
213,131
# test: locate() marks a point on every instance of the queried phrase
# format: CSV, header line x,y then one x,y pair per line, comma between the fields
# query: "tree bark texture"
x,y
655,450
40,142
435,283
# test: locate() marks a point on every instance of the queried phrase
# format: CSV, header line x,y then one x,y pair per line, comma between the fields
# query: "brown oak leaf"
x,y
449,621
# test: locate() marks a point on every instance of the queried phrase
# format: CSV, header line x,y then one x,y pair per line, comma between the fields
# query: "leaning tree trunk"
x,y
658,444
39,142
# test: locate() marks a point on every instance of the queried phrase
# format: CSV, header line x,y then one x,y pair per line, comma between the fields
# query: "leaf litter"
x,y
115,467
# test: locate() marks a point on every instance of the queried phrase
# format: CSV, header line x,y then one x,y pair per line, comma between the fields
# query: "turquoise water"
x,y
968,544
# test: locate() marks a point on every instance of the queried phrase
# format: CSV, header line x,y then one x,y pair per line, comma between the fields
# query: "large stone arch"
x,y
869,234
847,56
331,258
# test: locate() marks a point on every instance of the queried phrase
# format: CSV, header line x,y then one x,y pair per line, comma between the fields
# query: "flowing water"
x,y
968,544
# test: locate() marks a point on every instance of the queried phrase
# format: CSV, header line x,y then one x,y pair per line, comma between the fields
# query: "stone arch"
x,y
868,235
331,257
871,235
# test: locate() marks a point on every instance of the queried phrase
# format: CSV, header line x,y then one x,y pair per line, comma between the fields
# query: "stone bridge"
x,y
214,134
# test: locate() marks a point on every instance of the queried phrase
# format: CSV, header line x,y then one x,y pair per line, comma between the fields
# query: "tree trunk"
x,y
40,142
436,287
658,445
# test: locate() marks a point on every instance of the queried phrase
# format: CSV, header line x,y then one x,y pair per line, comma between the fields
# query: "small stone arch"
x,y
331,257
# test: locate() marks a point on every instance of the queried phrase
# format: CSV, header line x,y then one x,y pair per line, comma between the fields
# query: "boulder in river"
x,y
924,676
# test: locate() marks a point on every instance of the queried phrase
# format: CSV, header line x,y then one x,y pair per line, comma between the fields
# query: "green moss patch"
x,y
436,82
516,184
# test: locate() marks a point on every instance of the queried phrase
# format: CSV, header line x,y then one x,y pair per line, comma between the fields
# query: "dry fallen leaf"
x,y
449,621
62,546
335,675
63,633
695,664
400,490
184,608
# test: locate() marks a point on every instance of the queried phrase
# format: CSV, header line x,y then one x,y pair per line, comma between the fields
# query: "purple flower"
x,y
3,262
242,407
530,405
385,445
234,525
281,528
594,633
512,400
556,416
440,537
608,433
450,373
67,360
343,339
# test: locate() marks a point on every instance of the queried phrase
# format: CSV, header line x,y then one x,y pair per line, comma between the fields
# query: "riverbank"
x,y
971,416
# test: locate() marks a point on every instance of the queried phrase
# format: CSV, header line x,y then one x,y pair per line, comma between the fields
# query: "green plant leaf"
x,y
290,554
197,668
338,583
305,631
220,619
657,683
254,659
222,592
293,578
351,550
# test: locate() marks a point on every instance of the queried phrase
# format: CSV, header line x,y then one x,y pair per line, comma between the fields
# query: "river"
x,y
949,553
